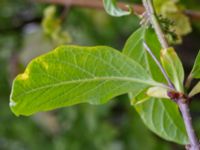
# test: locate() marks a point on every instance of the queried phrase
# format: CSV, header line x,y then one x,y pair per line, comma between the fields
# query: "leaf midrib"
x,y
128,79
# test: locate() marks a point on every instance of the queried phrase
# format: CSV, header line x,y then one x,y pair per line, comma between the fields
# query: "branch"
x,y
194,15
154,21
194,144
94,4
182,102
97,4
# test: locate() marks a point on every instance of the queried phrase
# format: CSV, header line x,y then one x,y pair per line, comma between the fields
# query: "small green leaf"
x,y
173,67
196,68
160,115
113,10
70,75
195,90
157,92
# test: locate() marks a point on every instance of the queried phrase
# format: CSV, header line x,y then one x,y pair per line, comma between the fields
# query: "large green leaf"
x,y
70,75
174,68
160,115
196,68
113,10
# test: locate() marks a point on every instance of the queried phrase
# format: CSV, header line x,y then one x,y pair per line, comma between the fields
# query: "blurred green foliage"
x,y
115,126
52,27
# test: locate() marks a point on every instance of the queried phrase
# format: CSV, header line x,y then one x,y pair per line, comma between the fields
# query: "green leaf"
x,y
70,75
113,10
162,117
173,67
196,68
159,120
195,90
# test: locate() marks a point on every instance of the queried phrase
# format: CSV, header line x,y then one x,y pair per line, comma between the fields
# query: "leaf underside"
x,y
162,117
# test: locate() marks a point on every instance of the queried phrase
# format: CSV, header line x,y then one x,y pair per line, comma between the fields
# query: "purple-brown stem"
x,y
182,103
97,4
184,108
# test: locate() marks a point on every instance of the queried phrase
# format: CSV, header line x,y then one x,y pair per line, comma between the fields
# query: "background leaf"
x,y
113,10
154,112
52,26
70,75
196,67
